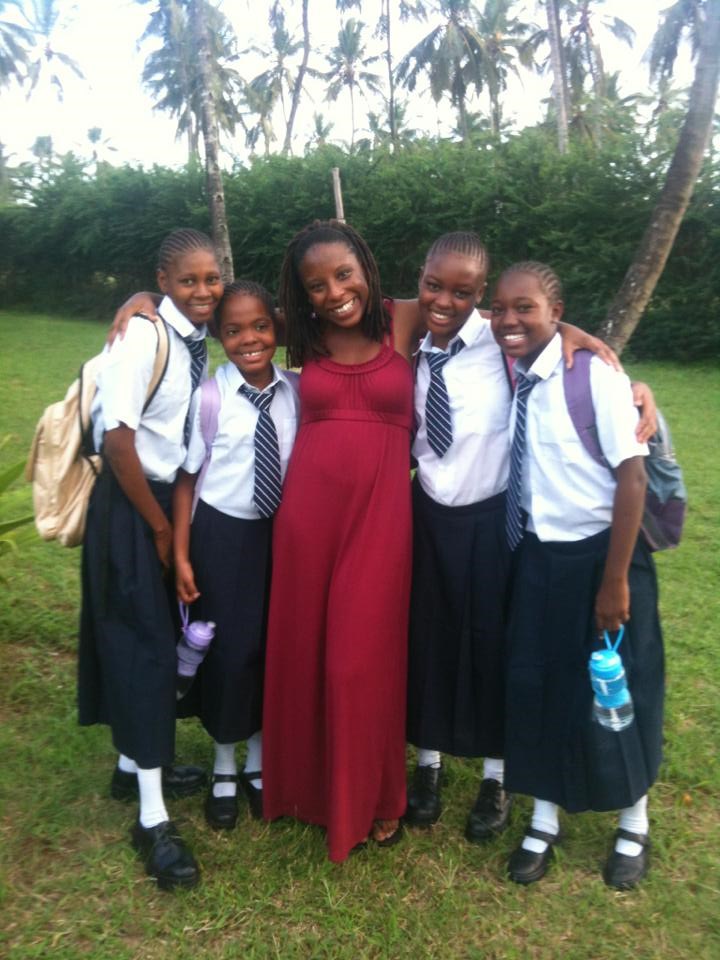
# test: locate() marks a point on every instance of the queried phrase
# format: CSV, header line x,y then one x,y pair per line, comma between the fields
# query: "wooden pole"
x,y
337,193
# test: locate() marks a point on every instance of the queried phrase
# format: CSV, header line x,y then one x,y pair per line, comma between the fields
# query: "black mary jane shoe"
x,y
165,855
490,813
178,780
526,866
623,872
254,794
423,797
221,813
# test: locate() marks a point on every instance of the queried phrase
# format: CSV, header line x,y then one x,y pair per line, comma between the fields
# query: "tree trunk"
x,y
391,80
558,72
644,272
297,89
216,193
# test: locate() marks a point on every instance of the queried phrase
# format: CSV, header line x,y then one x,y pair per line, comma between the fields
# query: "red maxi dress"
x,y
335,681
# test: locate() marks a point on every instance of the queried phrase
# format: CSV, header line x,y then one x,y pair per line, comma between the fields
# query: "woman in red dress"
x,y
334,722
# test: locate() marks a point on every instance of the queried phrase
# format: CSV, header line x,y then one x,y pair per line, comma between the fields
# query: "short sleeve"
x,y
126,374
615,414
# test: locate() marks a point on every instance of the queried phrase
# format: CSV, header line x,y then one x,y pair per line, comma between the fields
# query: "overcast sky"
x,y
102,36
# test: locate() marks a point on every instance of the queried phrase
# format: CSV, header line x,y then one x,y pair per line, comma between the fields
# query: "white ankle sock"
x,y
545,818
428,758
152,804
634,819
126,764
225,762
494,769
253,760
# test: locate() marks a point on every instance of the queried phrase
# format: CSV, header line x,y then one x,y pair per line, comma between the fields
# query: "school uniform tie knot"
x,y
438,420
514,521
268,484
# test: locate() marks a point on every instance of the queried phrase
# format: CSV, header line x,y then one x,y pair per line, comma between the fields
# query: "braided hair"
x,y
304,330
547,278
182,241
465,244
246,288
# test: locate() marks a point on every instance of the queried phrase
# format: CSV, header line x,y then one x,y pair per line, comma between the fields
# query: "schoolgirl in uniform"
x,y
460,554
222,561
581,570
127,659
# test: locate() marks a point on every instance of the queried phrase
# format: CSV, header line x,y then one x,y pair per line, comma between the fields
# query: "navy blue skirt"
x,y
456,700
231,563
554,749
128,630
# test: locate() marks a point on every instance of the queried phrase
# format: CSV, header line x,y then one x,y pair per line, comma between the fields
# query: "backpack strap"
x,y
579,401
209,409
162,356
509,368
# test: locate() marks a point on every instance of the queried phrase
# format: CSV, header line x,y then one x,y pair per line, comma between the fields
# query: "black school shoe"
x,y
177,781
254,794
423,797
221,813
623,872
526,866
490,813
165,855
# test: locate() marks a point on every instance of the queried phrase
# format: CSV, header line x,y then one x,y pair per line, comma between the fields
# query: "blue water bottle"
x,y
612,703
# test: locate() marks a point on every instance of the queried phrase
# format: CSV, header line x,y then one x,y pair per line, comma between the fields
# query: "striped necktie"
x,y
198,357
514,523
438,420
268,485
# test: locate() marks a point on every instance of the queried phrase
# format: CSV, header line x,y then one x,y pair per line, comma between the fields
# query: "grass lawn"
x,y
72,886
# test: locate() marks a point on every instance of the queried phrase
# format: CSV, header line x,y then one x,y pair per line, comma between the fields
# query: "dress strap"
x,y
389,338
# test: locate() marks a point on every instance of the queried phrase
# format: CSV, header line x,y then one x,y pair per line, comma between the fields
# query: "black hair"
x,y
245,288
547,278
304,331
182,241
464,243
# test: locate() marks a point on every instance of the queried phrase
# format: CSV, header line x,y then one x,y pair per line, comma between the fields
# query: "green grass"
x,y
72,887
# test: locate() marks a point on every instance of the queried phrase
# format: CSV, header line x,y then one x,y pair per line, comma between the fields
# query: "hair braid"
x,y
304,331
464,243
547,278
182,241
246,288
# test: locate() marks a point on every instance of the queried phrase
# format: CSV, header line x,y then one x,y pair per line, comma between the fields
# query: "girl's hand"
x,y
612,604
145,303
185,583
163,544
573,338
644,400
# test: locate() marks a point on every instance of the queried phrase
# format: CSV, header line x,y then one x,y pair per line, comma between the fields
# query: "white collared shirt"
x,y
567,494
122,390
230,478
475,466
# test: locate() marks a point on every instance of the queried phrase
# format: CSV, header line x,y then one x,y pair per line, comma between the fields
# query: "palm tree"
x,y
50,62
15,42
278,77
701,18
385,32
171,72
557,63
198,20
260,98
320,134
347,68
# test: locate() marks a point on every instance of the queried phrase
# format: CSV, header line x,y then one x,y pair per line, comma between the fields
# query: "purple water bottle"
x,y
191,649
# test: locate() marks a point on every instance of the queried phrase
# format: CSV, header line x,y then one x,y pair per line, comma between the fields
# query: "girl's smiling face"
x,y
451,285
523,319
192,281
335,284
247,334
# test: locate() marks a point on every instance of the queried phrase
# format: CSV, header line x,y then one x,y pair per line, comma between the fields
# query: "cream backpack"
x,y
63,464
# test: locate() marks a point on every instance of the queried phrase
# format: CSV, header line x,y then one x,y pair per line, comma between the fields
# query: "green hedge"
x,y
83,243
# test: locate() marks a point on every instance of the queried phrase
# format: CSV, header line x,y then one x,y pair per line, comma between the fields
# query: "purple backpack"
x,y
666,496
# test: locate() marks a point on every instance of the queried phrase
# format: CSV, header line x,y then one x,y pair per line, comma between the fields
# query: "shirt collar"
x,y
469,332
236,380
179,322
546,362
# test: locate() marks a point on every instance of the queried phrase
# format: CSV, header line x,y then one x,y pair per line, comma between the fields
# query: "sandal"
x,y
392,838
